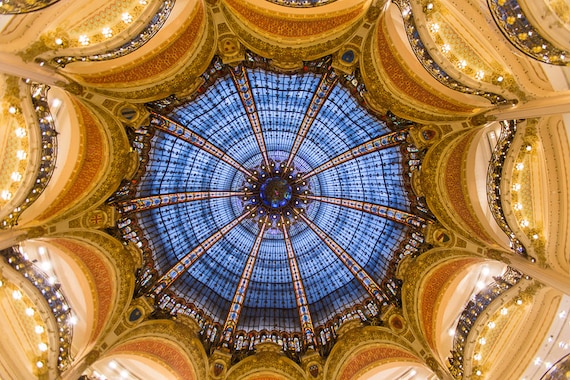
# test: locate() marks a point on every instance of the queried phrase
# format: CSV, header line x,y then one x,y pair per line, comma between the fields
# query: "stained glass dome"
x,y
272,205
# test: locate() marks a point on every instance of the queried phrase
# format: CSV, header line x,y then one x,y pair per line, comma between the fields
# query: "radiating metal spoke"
x,y
243,86
357,271
386,212
178,130
241,290
300,294
190,258
154,201
324,89
370,146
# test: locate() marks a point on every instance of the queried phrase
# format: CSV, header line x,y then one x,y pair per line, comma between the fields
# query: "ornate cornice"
x,y
166,341
157,63
266,361
290,26
294,55
111,143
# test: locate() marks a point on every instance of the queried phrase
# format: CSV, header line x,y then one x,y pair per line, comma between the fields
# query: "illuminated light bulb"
x,y
124,374
500,78
20,132
16,176
83,40
429,6
56,102
46,265
12,109
73,320
528,148
479,75
39,329
58,41
42,250
482,341
477,356
113,364
486,271
491,325
434,27
519,301
127,18
39,364
17,295
446,48
504,311
451,332
519,166
535,236
478,372
525,223
107,32
29,311
42,347
142,2
537,361
21,154
517,206
6,195
516,186
462,64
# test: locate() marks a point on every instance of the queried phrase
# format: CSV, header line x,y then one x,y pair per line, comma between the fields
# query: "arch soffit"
x,y
364,348
288,25
266,365
181,53
443,180
169,343
435,271
98,169
108,270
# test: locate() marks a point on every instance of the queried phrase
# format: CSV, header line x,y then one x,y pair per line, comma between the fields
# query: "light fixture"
x,y
113,364
528,148
491,325
477,356
482,341
83,40
17,295
504,311
479,75
6,195
59,41
519,301
446,48
517,206
516,186
519,166
12,109
127,18
39,364
16,177
20,132
535,236
42,347
525,223
500,78
107,32
39,329
30,311
21,154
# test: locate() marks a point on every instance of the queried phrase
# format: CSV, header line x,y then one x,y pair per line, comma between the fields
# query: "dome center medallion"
x,y
275,192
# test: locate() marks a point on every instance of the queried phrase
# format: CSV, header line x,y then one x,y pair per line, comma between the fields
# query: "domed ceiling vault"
x,y
272,205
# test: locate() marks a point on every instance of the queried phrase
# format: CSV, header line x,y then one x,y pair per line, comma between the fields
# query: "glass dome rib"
x,y
286,286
